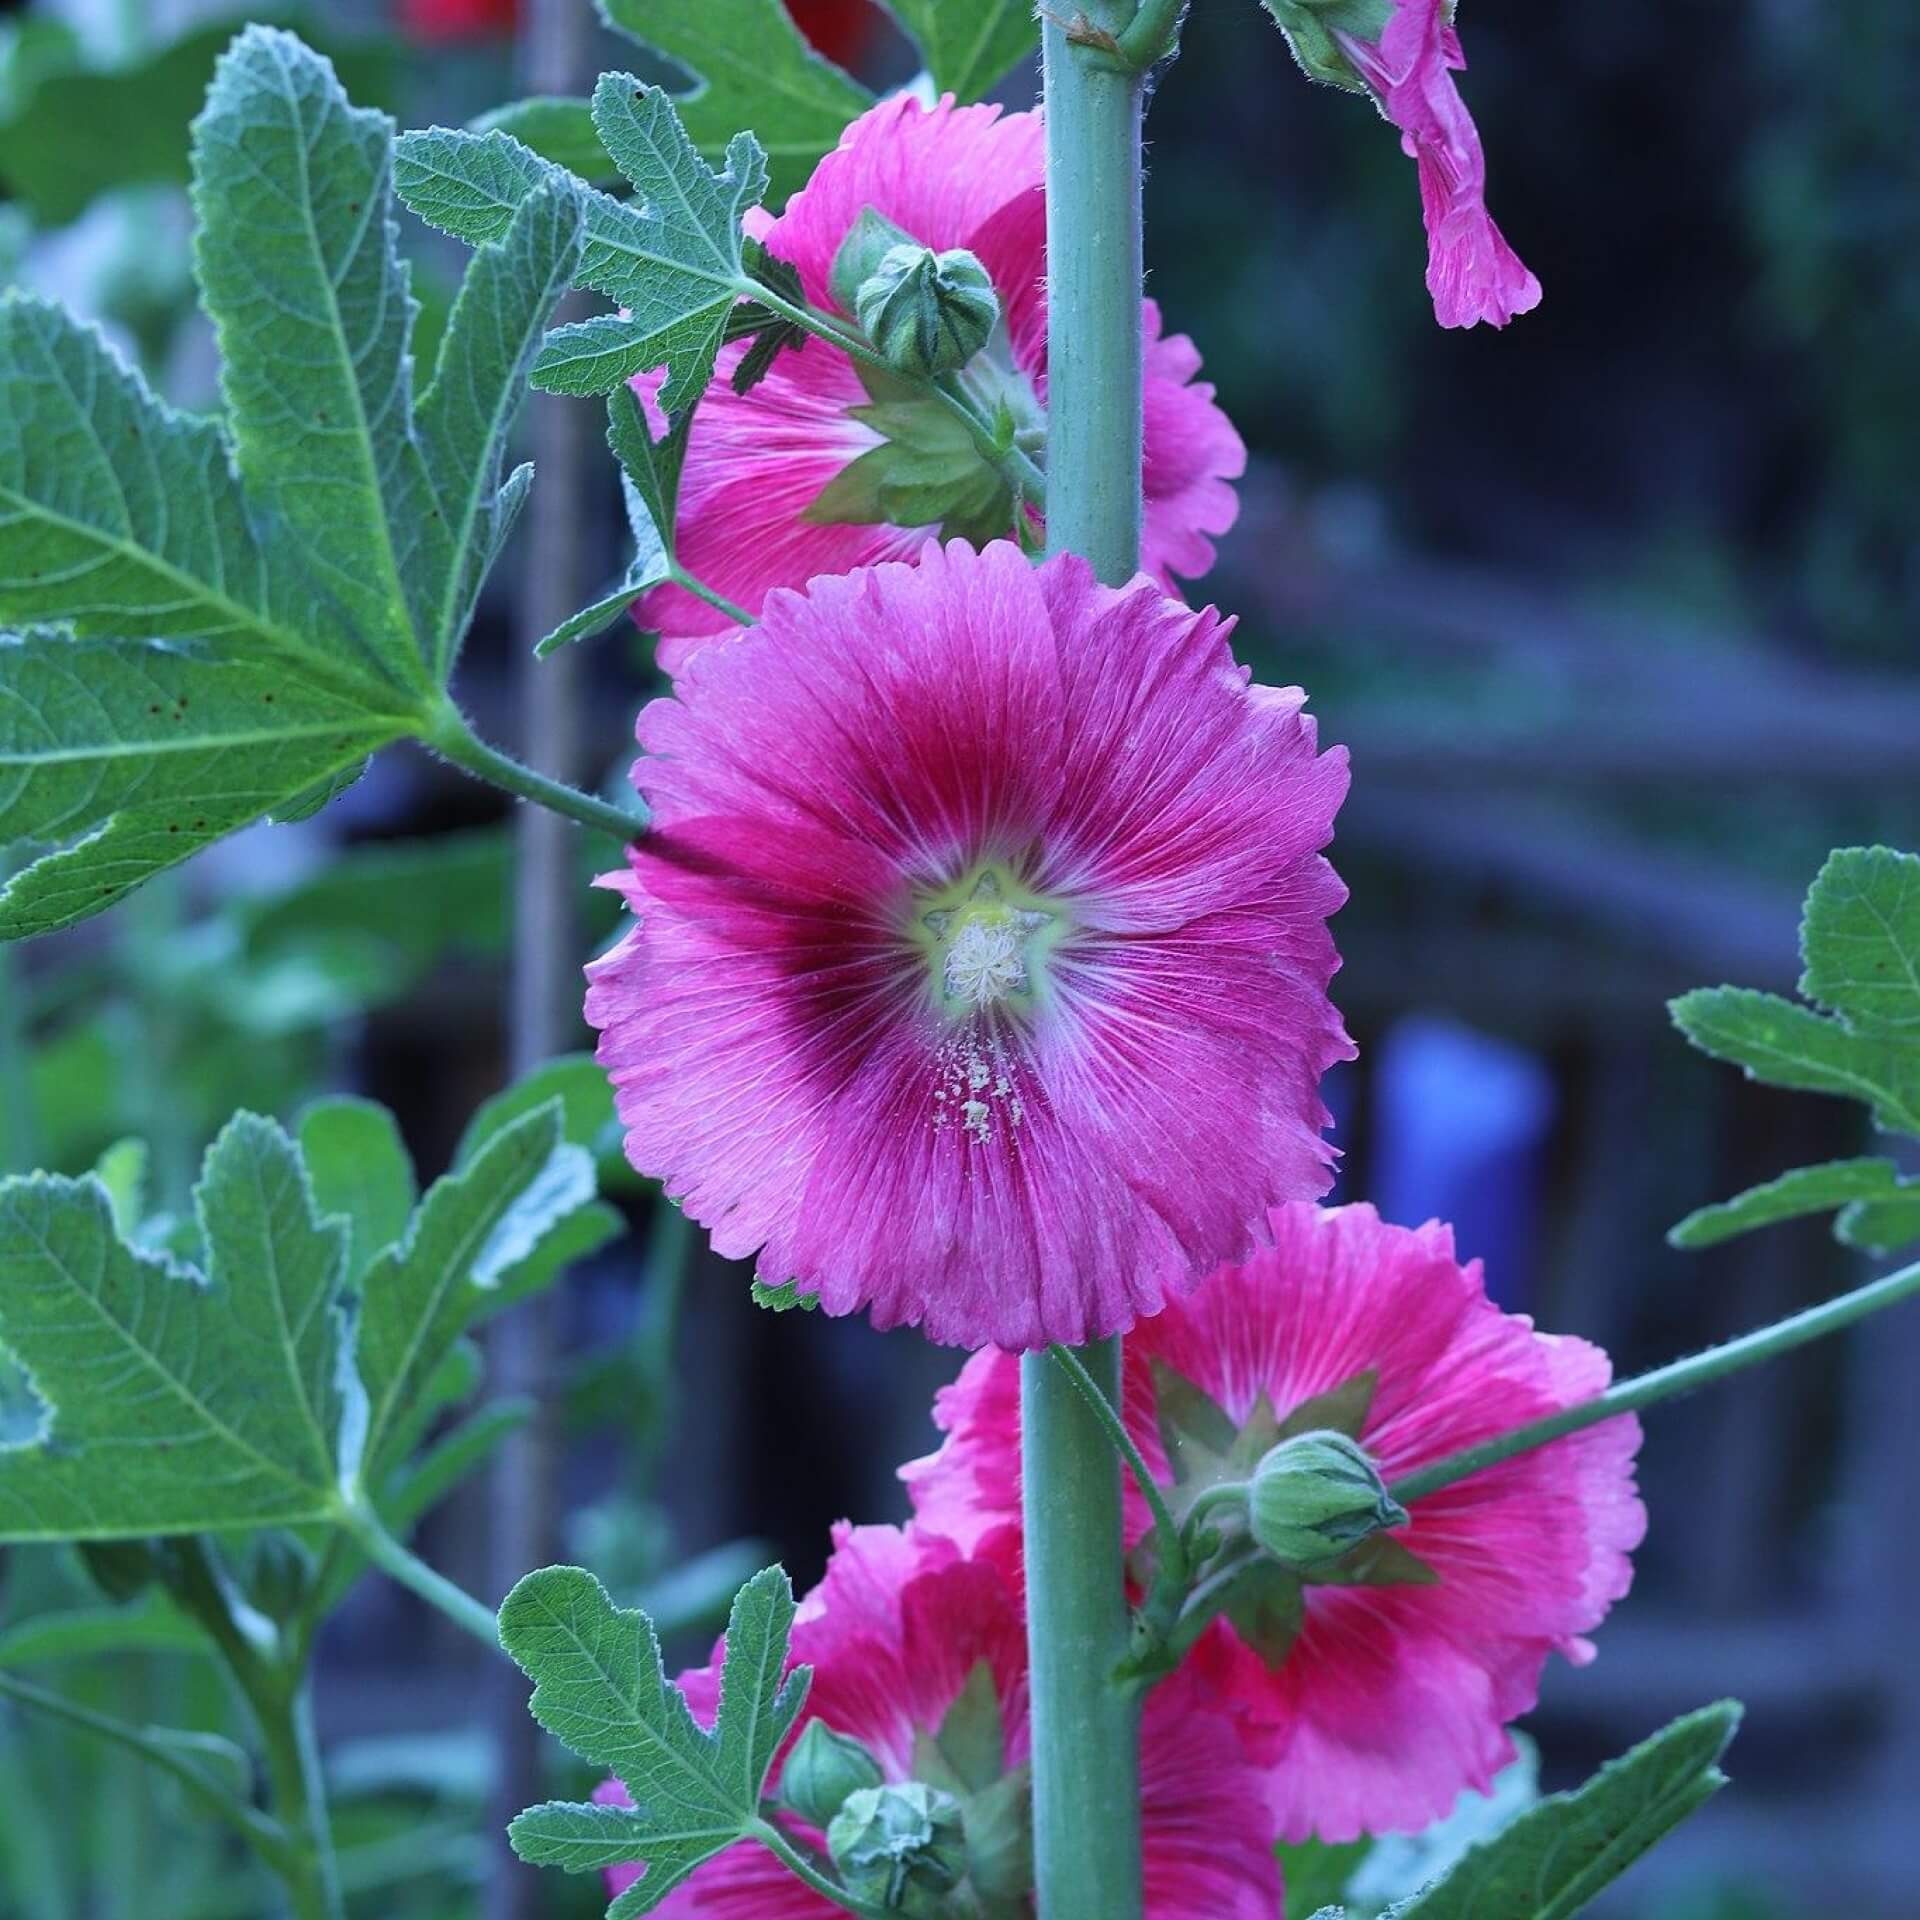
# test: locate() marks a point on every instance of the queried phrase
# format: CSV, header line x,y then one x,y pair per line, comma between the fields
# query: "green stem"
x,y
1086,1716
1664,1383
266,1837
450,736
299,1798
694,585
1086,1728
797,1864
400,1564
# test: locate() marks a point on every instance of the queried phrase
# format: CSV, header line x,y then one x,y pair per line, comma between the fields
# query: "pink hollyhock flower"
x,y
757,463
980,974
894,1633
1471,271
1393,1698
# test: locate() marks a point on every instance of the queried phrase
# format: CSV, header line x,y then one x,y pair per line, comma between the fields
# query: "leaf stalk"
x,y
450,736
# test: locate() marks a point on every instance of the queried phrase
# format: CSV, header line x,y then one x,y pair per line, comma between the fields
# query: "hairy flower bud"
x,y
927,312
901,1846
823,1771
1315,1497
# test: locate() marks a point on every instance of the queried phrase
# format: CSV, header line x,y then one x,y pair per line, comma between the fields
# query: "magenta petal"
x,y
1472,273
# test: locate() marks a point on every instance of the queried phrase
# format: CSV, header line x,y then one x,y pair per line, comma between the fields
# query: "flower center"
x,y
986,940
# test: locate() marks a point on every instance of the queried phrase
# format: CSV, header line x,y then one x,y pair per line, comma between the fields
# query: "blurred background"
x,y
1616,611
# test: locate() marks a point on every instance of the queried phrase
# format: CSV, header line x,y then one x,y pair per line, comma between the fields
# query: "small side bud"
x,y
901,1847
927,312
824,1770
1317,1496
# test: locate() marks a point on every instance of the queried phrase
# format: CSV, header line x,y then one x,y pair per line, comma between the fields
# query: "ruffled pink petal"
x,y
1472,273
941,173
770,1028
1395,1698
1193,455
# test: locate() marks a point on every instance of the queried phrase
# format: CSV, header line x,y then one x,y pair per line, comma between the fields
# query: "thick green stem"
x,y
1086,1729
453,739
1094,271
1086,1726
1664,1383
300,1802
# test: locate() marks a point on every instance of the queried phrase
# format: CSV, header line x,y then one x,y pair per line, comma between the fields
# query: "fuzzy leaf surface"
x,y
131,757
601,1689
754,70
178,1401
1861,941
557,128
300,271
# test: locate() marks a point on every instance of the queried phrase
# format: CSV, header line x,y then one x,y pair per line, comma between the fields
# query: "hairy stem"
x,y
453,739
1154,34
400,1563
1664,1383
1086,1718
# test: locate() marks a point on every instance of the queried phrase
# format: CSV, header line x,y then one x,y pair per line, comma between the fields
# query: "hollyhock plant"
x,y
1472,273
919,1653
981,960
1388,1698
781,483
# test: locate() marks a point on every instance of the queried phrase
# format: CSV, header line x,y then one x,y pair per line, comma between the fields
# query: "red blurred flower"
x,y
840,29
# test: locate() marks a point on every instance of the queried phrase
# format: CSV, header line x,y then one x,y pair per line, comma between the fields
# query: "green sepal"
x,y
1310,27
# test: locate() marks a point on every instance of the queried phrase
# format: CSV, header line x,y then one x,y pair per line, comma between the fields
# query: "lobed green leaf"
x,y
600,1687
1838,1184
1792,1046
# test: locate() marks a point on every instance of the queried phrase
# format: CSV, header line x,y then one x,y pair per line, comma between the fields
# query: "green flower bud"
x,y
823,1770
927,312
903,1847
1317,1496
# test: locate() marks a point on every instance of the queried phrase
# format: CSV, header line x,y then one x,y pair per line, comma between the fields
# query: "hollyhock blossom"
x,y
1393,1698
894,1632
1471,271
752,513
980,973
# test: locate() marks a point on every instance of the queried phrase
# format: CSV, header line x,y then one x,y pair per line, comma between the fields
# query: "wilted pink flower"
x,y
1471,271
756,464
980,974
1393,1698
893,1633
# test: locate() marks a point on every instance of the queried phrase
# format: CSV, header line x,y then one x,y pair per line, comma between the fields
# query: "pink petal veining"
x,y
769,1026
1394,1699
